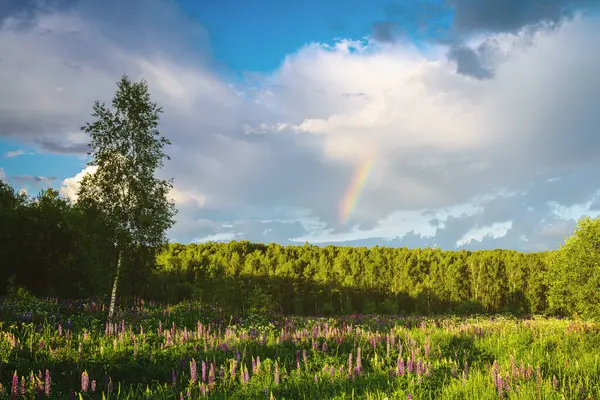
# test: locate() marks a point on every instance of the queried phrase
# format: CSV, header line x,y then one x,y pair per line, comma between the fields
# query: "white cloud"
x,y
15,153
70,186
2,175
217,237
496,230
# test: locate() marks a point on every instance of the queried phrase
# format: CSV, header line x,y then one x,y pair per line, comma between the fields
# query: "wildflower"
x,y
358,368
350,365
193,371
400,367
203,371
276,379
93,385
211,376
85,382
233,366
47,384
173,377
15,386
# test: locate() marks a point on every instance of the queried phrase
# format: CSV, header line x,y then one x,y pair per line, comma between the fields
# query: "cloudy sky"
x,y
456,123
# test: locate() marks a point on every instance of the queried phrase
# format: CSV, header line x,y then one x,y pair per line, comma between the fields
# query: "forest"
x,y
55,248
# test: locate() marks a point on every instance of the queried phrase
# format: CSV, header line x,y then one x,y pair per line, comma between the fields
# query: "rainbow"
x,y
355,189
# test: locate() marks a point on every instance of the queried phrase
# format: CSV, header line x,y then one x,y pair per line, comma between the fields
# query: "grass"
x,y
152,353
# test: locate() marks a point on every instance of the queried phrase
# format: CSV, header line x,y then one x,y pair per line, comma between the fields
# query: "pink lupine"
x,y
350,364
15,386
211,376
193,371
85,382
358,368
47,383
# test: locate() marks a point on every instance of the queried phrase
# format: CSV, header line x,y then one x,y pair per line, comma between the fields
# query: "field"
x,y
190,351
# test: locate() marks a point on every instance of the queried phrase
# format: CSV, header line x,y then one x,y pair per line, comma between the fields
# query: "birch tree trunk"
x,y
113,297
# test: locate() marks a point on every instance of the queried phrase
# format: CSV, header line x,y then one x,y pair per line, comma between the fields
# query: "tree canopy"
x,y
127,149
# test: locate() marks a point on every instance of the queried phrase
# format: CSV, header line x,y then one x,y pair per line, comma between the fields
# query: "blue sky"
x,y
256,35
479,116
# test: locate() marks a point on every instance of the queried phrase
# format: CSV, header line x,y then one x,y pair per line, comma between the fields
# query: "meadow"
x,y
189,351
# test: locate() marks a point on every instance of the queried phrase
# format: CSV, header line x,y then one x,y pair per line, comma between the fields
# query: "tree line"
x,y
115,233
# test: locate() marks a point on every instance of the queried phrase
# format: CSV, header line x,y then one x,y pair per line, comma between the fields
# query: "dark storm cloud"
x,y
25,10
468,62
35,180
53,147
471,16
385,31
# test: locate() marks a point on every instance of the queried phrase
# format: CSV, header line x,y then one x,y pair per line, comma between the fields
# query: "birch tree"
x,y
127,150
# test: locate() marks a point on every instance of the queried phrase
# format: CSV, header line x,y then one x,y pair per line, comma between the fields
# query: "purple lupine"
x,y
554,382
420,367
85,382
110,385
358,368
246,375
409,397
23,386
316,379
500,386
203,372
324,347
173,377
400,367
93,385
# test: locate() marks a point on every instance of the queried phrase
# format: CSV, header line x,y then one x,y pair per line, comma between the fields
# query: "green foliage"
x,y
150,354
311,280
127,150
575,272
53,247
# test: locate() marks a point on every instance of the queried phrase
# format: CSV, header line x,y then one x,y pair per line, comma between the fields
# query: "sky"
x,y
442,123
